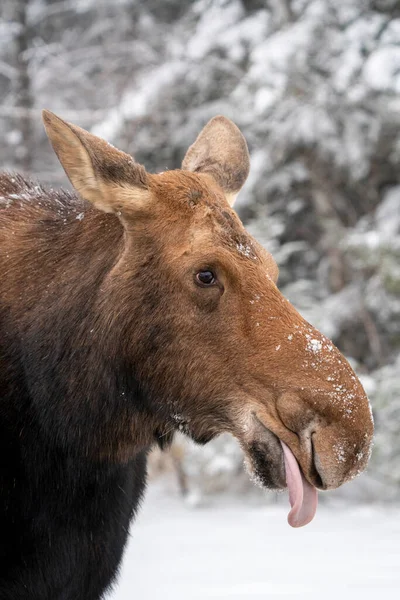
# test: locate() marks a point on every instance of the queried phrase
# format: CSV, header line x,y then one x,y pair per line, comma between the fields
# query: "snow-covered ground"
x,y
241,552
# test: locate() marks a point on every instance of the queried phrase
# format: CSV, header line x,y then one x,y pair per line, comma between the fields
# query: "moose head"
x,y
213,344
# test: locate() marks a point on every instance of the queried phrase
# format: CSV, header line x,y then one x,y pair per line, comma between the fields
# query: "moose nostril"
x,y
316,467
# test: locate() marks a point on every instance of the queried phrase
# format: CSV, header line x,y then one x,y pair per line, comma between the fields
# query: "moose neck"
x,y
72,347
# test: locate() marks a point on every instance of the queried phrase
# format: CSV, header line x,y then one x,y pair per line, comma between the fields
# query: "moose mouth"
x,y
274,466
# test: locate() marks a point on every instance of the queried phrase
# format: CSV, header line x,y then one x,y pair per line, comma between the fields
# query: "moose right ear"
x,y
103,175
221,151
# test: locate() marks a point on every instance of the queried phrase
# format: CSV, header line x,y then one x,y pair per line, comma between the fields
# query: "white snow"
x,y
246,250
388,213
381,70
314,345
240,551
211,26
135,104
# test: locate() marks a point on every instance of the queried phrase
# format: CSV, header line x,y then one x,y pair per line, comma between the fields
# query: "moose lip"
x,y
275,466
265,455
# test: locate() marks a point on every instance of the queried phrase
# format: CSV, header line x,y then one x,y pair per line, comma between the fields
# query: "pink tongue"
x,y
302,495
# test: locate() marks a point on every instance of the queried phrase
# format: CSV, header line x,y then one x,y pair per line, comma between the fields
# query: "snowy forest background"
x,y
315,87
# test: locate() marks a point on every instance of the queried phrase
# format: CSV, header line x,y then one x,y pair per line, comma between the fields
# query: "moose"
x,y
134,306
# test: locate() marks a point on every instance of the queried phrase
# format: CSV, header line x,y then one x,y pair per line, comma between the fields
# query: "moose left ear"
x,y
220,151
103,175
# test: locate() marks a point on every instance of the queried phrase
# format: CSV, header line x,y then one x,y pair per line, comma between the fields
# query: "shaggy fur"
x,y
108,344
64,515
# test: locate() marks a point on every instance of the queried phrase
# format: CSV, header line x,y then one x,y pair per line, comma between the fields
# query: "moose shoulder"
x,y
139,299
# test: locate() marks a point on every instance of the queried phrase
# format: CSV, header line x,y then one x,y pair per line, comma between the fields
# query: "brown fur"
x,y
186,224
108,344
237,354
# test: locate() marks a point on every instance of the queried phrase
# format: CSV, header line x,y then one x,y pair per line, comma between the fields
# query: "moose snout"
x,y
333,435
340,454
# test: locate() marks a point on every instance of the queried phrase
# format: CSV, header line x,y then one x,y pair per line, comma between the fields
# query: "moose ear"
x,y
221,151
105,176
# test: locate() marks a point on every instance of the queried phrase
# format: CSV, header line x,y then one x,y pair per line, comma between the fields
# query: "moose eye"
x,y
205,278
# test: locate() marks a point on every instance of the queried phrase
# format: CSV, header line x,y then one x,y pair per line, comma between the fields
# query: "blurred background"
x,y
315,87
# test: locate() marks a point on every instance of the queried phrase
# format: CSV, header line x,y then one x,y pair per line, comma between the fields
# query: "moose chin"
x,y
137,298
